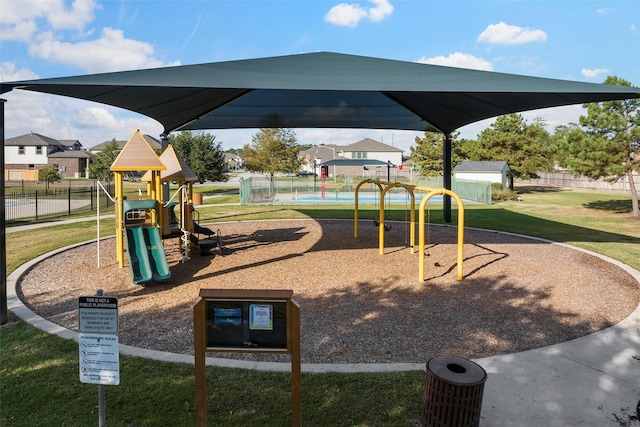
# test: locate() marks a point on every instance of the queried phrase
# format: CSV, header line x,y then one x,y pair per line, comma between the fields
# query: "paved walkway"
x,y
589,381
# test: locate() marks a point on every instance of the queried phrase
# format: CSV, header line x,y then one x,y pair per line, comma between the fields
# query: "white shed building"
x,y
483,171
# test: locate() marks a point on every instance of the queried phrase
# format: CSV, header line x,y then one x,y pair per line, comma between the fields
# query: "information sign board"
x,y
99,358
249,325
247,320
98,314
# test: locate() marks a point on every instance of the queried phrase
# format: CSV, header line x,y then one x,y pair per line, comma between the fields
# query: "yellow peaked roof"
x,y
177,169
137,155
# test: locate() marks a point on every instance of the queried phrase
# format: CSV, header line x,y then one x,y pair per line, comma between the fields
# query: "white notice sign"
x,y
98,314
261,317
99,359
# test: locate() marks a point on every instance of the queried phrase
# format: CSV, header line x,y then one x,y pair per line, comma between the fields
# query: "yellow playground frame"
x,y
384,187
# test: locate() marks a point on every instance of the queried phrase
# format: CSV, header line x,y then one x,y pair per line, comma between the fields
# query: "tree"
x,y
49,174
526,147
607,145
100,167
272,150
428,153
202,153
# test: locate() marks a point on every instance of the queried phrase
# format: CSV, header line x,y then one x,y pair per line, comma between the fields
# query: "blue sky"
x,y
565,39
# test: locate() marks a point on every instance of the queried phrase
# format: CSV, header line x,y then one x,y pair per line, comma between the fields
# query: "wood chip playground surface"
x,y
357,306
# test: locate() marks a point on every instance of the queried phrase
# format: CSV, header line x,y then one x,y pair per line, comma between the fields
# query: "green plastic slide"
x,y
157,256
138,256
147,260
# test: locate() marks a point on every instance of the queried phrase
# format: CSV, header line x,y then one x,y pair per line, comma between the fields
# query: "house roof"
x,y
324,152
33,139
232,157
70,154
322,90
69,143
481,166
153,143
371,145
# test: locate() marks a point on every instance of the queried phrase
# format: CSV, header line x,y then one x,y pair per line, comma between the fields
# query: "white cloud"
x,y
111,52
510,34
67,118
21,19
460,60
76,18
553,117
382,9
594,72
43,25
633,28
350,15
21,31
8,72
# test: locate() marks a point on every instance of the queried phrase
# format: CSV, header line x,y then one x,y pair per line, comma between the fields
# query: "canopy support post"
x,y
3,228
446,179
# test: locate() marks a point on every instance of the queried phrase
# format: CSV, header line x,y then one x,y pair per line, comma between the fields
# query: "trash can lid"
x,y
456,370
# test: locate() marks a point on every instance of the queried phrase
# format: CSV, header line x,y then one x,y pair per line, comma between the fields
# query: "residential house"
x,y
371,149
232,161
488,171
366,157
26,154
71,163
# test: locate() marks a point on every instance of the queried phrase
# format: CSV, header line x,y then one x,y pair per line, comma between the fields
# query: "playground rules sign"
x,y
99,359
98,340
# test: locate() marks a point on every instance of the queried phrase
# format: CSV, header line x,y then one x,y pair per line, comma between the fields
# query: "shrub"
x,y
499,194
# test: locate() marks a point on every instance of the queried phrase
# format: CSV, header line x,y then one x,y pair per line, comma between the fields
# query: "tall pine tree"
x,y
607,145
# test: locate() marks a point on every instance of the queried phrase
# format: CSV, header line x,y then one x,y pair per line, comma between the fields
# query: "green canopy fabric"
x,y
322,90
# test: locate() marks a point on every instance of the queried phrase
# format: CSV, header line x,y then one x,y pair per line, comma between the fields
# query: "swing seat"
x,y
387,227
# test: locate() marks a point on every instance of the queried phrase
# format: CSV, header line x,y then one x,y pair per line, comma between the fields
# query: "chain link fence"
x,y
284,190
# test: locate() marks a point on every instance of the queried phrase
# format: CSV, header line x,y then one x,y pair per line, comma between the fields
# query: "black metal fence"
x,y
39,205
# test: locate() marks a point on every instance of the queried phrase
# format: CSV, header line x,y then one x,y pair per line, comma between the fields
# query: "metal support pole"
x,y
164,138
102,419
446,179
3,229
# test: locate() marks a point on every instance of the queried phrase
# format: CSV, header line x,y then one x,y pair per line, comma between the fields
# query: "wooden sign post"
x,y
246,321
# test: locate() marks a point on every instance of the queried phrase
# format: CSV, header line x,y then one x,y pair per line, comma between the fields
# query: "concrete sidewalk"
x,y
589,381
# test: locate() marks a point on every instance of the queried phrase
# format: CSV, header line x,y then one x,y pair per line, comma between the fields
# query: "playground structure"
x,y
143,222
384,187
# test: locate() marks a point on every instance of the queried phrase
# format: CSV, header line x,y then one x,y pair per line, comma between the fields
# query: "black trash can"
x,y
452,392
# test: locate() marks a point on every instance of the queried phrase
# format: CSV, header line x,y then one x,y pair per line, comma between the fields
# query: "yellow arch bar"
x,y
355,212
423,203
412,239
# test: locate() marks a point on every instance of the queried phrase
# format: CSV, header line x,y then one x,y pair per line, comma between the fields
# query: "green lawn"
x,y
39,381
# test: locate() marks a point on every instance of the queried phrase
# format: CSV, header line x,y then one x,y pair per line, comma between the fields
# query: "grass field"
x,y
39,384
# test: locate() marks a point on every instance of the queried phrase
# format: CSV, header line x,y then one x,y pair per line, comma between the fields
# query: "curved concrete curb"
x,y
23,312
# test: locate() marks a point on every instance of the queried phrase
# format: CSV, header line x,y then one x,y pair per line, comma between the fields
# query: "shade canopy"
x,y
322,90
